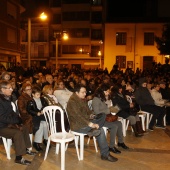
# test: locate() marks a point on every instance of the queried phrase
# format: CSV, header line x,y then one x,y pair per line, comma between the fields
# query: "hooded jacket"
x,y
142,94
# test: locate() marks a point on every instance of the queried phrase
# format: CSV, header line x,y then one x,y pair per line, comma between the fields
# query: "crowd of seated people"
x,y
56,88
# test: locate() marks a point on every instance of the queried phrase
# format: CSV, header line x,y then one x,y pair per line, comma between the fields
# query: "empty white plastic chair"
x,y
61,138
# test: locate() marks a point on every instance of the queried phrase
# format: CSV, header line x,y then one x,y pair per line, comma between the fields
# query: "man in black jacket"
x,y
10,124
144,99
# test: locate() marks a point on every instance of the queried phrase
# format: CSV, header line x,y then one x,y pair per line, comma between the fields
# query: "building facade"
x,y
128,40
132,45
39,54
10,32
82,21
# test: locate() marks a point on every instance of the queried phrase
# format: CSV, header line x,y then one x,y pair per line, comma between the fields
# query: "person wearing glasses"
x,y
26,95
11,125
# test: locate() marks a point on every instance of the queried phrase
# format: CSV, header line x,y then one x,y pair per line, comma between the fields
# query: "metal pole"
x,y
135,49
29,42
100,61
56,53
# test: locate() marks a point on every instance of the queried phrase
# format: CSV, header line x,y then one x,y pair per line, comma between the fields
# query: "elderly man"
x,y
10,124
79,114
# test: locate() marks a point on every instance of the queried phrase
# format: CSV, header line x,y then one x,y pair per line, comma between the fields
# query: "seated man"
x,y
10,125
144,99
79,114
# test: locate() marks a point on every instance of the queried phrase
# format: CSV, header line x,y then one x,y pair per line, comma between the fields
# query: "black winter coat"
x,y
123,104
7,115
33,111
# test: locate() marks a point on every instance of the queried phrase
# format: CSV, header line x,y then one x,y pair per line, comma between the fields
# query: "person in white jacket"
x,y
62,93
157,97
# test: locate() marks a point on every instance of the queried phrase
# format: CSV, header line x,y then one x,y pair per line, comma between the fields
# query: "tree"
x,y
163,43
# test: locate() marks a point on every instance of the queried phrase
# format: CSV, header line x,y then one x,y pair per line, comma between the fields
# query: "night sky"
x,y
119,8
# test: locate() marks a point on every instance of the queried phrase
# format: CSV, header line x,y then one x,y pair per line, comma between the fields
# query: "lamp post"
x,y
100,53
42,17
65,37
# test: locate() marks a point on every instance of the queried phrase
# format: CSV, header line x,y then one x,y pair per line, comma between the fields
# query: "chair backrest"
x,y
13,106
129,99
90,104
50,117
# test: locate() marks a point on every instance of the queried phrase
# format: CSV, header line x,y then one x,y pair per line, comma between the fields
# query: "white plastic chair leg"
x,y
76,145
7,145
31,136
57,148
62,156
95,144
126,124
147,120
88,141
143,121
124,127
81,147
165,120
47,148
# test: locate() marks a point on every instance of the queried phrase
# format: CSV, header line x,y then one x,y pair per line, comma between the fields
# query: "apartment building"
x,y
82,21
132,45
39,50
10,32
96,37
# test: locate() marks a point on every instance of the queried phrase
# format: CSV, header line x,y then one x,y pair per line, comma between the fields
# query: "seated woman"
x,y
52,100
26,95
62,93
34,108
99,106
127,110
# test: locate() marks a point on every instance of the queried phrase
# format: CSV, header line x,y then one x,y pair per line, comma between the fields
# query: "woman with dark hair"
x,y
128,110
102,104
26,95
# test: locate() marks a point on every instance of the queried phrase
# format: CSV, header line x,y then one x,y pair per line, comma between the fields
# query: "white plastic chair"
x,y
164,119
142,114
7,145
125,124
94,138
8,142
147,116
81,137
58,137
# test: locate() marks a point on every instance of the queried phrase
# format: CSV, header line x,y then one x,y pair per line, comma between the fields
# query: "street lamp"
x,y
100,53
64,37
42,17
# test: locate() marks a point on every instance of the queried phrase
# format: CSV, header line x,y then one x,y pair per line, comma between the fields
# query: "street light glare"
x,y
65,36
43,16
